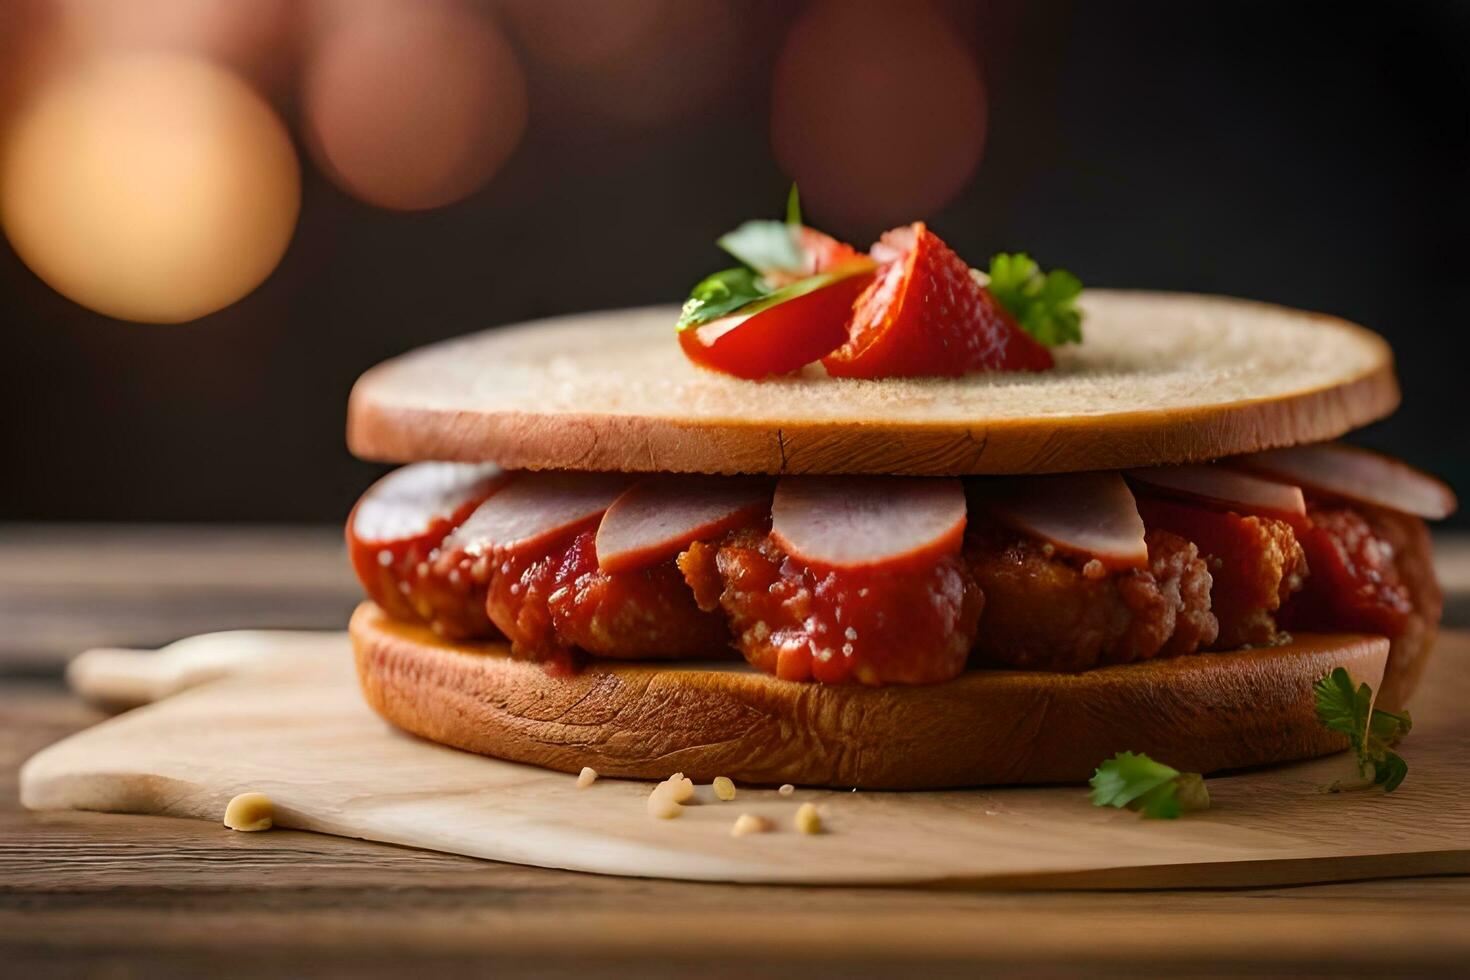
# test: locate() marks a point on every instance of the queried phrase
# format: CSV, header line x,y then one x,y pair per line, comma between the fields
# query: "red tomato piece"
x,y
924,314
784,332
820,253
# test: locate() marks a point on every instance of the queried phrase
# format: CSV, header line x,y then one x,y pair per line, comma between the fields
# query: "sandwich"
x,y
880,520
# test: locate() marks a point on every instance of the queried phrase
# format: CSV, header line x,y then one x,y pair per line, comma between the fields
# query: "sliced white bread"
x,y
1161,378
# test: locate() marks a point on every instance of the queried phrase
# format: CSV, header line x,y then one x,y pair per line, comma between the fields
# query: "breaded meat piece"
x,y
1044,611
551,604
837,627
1256,563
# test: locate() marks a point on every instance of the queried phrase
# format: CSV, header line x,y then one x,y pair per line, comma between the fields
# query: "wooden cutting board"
x,y
280,714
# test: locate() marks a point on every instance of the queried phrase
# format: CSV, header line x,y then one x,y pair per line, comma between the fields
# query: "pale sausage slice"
x,y
867,522
410,501
1225,488
658,517
534,510
1356,474
1089,515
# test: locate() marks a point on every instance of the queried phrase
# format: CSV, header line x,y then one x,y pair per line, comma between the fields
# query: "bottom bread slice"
x,y
1200,713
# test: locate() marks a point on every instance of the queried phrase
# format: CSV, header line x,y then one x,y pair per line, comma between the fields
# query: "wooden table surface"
x,y
93,894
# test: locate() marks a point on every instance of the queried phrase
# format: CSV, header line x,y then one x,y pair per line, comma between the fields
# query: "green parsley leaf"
x,y
721,294
1390,771
1133,780
1386,728
1372,732
1342,709
769,246
1043,304
766,246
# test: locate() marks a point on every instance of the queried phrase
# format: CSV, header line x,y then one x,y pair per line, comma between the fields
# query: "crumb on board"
x,y
749,823
786,789
586,777
724,788
250,812
661,805
681,786
667,799
808,821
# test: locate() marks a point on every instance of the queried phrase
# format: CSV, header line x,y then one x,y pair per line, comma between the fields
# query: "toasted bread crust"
x,y
1163,378
1199,713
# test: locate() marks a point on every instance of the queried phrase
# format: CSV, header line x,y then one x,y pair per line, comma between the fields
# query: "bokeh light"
x,y
412,105
574,34
643,64
151,187
879,112
249,35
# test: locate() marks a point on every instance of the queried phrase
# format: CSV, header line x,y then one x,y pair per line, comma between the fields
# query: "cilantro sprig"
x,y
1044,304
1372,732
1160,792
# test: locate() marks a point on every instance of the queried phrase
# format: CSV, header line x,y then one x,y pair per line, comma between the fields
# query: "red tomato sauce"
x,y
551,603
412,580
848,626
1353,583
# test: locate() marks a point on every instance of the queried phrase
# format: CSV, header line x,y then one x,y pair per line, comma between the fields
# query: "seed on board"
x,y
786,789
724,788
250,811
808,821
586,777
749,823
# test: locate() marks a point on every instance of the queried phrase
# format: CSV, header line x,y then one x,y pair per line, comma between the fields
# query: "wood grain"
x,y
65,588
1163,378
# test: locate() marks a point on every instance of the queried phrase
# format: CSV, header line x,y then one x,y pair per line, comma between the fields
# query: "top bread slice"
x,y
1161,378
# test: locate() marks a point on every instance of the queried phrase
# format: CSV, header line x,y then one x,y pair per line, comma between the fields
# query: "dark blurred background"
x,y
465,165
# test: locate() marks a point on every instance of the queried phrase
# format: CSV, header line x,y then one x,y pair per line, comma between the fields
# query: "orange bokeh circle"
x,y
149,187
412,105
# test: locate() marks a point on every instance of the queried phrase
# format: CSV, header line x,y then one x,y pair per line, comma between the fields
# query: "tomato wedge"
x,y
783,332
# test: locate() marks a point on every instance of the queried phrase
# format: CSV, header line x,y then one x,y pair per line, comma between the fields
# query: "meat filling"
x,y
837,626
549,604
1256,564
1215,580
1047,612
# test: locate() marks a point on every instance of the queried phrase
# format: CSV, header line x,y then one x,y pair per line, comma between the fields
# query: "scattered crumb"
x,y
808,821
786,789
681,786
586,777
662,805
724,788
667,799
749,823
1094,570
250,811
